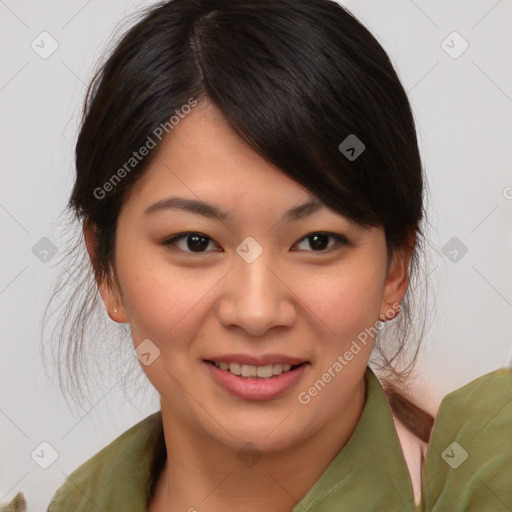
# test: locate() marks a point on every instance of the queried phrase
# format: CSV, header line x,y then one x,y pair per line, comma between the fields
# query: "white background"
x,y
463,109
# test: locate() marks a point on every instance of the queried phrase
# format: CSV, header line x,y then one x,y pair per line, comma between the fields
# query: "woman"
x,y
251,194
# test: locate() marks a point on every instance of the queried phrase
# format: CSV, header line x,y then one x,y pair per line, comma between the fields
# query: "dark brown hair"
x,y
294,78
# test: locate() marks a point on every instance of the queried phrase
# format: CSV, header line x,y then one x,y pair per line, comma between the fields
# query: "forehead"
x,y
202,157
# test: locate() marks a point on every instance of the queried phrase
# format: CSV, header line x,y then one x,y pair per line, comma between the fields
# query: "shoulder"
x,y
483,392
469,457
110,475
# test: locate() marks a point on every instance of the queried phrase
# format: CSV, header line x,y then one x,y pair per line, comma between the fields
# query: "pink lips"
x,y
254,388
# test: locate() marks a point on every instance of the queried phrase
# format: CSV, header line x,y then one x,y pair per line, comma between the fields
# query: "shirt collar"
x,y
368,473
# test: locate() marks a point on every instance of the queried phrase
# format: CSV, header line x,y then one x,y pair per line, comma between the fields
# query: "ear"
x,y
397,280
109,294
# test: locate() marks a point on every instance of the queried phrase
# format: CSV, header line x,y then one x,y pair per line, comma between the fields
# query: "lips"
x,y
266,387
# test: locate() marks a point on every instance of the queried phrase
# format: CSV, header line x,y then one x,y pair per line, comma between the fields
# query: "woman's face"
x,y
252,284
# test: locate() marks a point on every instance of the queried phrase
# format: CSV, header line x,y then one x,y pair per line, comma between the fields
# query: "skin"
x,y
303,302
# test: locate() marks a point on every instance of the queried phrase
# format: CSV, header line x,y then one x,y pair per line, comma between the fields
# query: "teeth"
x,y
277,369
246,370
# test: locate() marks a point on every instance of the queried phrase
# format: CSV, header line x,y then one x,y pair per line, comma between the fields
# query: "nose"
x,y
256,296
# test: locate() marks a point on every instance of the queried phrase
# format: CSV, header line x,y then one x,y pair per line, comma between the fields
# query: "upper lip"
x,y
262,360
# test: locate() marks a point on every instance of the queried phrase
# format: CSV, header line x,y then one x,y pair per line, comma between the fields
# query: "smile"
x,y
256,382
262,372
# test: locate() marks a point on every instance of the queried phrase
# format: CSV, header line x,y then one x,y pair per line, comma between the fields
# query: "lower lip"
x,y
255,388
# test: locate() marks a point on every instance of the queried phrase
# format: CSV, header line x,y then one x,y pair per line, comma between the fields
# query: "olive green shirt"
x,y
468,465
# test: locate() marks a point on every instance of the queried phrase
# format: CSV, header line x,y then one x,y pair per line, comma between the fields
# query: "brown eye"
x,y
319,242
192,242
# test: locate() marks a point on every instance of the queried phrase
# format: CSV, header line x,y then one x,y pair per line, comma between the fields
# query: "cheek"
x,y
165,301
345,300
160,298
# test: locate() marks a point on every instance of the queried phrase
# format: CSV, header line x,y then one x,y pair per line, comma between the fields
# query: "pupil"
x,y
320,241
196,244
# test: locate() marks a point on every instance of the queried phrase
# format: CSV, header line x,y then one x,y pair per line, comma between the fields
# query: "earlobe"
x,y
110,299
117,314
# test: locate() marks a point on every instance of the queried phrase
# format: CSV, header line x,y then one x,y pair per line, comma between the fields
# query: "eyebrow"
x,y
213,212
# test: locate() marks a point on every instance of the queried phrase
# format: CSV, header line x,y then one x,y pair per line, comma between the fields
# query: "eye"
x,y
319,241
193,242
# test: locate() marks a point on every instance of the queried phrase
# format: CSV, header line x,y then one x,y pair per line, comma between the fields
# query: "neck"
x,y
203,475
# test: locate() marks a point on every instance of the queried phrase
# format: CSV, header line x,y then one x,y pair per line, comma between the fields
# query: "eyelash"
x,y
340,241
